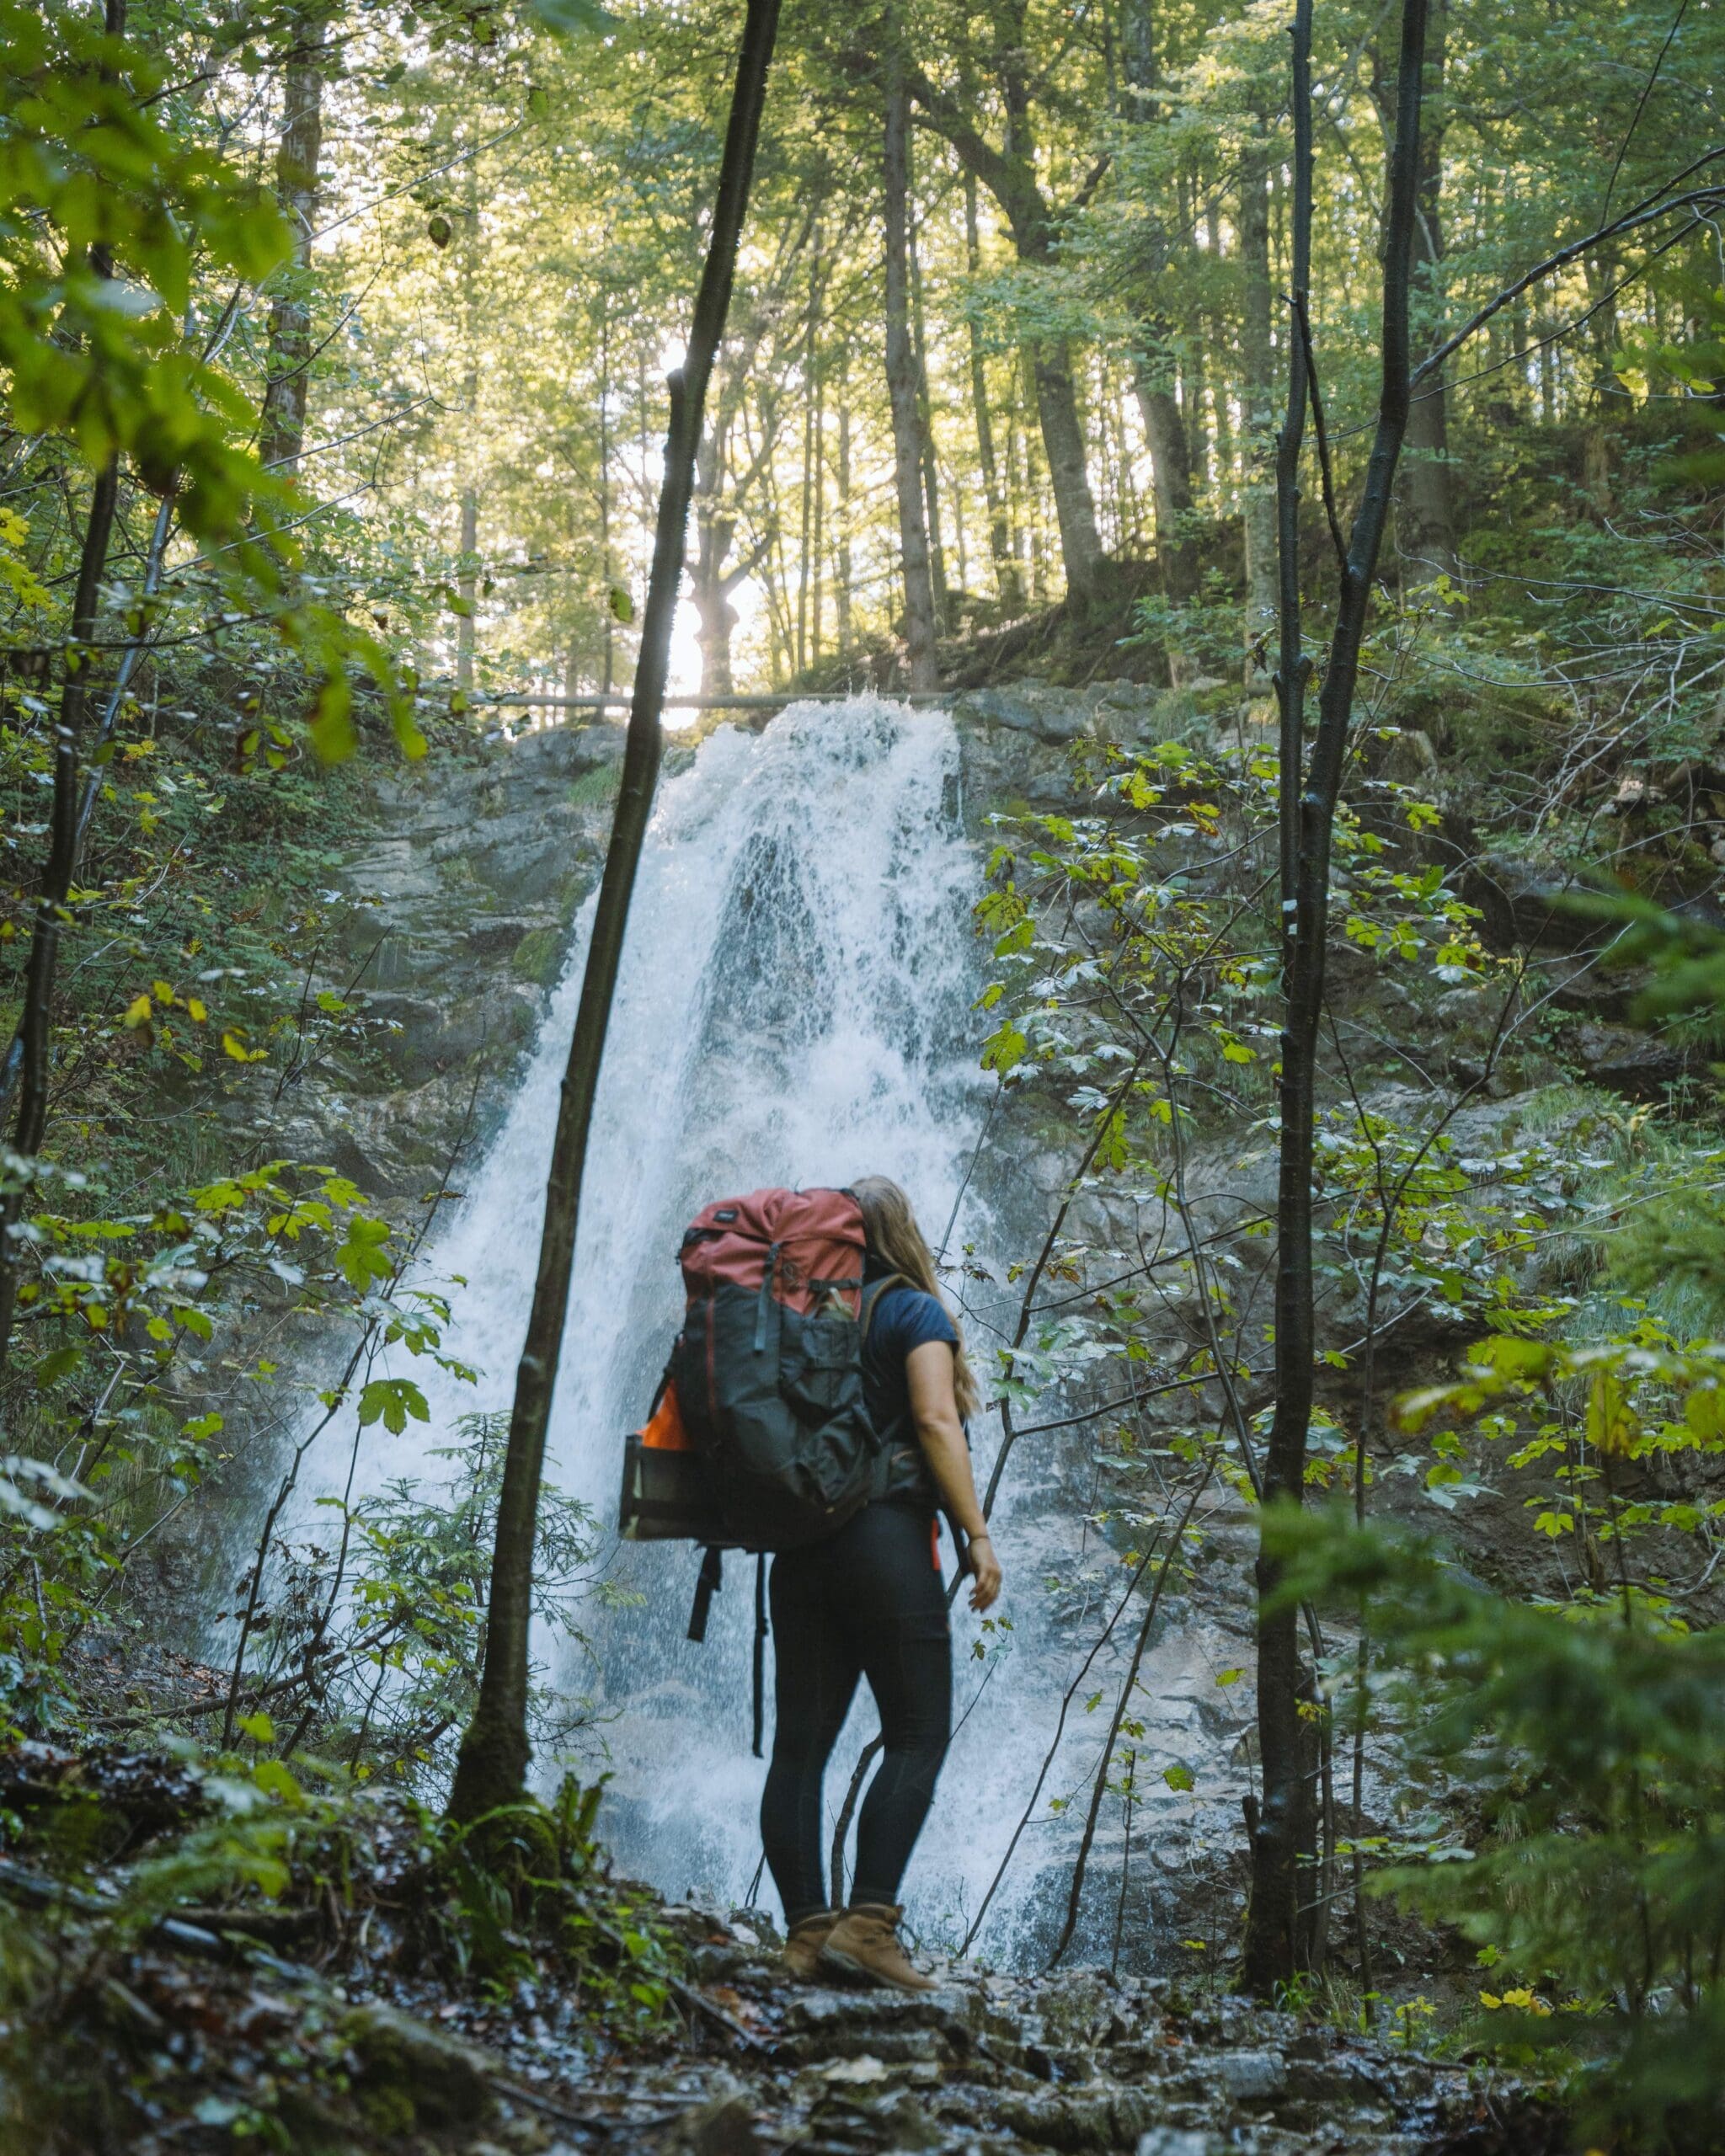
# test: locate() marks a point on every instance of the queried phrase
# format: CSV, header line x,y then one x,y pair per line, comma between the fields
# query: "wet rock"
x,y
1639,1064
726,2124
844,2121
1248,2077
1525,902
1112,2118
842,2023
1174,2141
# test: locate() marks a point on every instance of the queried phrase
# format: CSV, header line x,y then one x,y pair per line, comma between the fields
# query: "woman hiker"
x,y
869,1602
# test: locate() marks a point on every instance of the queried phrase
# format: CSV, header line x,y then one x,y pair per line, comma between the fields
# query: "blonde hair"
x,y
898,1243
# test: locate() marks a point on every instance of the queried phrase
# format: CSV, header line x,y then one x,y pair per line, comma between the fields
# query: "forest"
x,y
1113,609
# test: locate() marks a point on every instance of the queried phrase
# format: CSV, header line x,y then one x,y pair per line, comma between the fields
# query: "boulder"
x,y
412,2075
1640,1064
1523,903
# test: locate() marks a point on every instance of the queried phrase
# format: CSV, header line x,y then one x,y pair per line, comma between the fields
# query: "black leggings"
x,y
868,1603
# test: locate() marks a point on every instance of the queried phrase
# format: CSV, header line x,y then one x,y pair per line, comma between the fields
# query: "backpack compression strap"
x,y
707,1586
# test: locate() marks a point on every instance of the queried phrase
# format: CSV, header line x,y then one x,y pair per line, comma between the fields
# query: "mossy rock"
x,y
413,2075
537,956
594,786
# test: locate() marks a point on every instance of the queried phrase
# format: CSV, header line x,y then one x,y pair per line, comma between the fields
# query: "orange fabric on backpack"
x,y
664,1430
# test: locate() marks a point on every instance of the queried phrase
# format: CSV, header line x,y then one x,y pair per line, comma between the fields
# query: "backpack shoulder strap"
x,y
872,1295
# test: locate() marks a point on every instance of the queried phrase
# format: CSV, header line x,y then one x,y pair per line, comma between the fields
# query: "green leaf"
x,y
575,19
392,1401
1177,1776
258,1727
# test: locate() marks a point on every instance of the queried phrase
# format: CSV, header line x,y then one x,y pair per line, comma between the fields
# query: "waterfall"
x,y
794,1007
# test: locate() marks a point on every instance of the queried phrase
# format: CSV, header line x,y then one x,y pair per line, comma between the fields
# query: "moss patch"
x,y
536,956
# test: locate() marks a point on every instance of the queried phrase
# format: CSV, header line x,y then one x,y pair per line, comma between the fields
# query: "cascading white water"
x,y
794,1007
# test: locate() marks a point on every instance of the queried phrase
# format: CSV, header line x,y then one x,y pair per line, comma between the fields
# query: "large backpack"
x,y
759,1437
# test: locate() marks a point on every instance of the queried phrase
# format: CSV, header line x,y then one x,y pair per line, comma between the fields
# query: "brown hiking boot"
x,y
864,1943
804,1943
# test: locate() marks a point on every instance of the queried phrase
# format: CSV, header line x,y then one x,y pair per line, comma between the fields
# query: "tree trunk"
x,y
716,622
1275,1929
282,435
467,586
1170,473
925,423
901,390
609,616
1428,509
1152,368
1068,469
492,1768
1008,582
1258,519
27,1064
1221,344
842,596
805,531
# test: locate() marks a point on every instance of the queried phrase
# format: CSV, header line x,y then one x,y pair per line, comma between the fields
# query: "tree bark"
x,y
491,1770
842,596
1008,582
466,587
901,387
30,1050
1068,469
925,417
1259,518
1309,797
287,366
1010,175
1152,368
1427,508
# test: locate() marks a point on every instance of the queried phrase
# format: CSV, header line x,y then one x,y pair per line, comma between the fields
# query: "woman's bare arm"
x,y
934,1409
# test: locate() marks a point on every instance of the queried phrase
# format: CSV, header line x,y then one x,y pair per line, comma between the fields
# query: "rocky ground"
x,y
208,2032
1076,2061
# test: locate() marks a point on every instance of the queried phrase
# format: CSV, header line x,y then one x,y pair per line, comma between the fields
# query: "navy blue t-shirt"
x,y
904,1318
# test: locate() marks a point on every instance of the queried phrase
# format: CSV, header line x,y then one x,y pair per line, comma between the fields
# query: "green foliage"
x,y
1596,1743
374,1645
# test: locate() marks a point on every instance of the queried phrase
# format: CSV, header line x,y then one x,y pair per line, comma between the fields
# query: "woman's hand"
x,y
985,1569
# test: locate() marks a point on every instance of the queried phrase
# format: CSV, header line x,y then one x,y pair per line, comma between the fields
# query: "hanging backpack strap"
x,y
885,1440
760,1642
711,1581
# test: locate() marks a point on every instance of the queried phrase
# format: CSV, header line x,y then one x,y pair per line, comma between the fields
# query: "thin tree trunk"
x,y
1273,1925
841,597
1427,508
1221,344
1153,380
25,1070
36,1020
925,423
1008,582
818,543
466,588
491,1770
282,435
805,532
467,577
610,616
1258,519
901,387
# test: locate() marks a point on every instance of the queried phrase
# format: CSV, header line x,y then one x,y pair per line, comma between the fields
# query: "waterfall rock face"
x,y
797,1005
